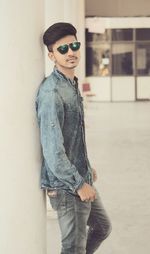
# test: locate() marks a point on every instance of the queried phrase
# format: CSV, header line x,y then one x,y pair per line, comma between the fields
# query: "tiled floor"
x,y
118,138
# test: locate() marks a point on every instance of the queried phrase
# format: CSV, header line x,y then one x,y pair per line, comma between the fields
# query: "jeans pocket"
x,y
57,198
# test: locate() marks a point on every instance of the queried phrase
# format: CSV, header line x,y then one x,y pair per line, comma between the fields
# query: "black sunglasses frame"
x,y
74,46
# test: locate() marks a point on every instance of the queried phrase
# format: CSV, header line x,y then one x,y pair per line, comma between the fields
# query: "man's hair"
x,y
56,32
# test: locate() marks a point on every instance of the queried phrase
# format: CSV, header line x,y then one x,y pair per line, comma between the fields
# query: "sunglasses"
x,y
74,46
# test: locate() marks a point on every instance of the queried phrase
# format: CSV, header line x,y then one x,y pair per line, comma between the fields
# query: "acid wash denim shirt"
x,y
62,133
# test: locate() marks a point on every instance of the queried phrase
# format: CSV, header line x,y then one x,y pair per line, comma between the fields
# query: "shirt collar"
x,y
59,73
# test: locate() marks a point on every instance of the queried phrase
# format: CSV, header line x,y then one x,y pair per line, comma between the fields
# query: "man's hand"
x,y
87,192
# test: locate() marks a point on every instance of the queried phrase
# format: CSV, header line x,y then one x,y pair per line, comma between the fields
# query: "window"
x,y
97,37
122,59
143,59
118,52
143,34
122,34
98,60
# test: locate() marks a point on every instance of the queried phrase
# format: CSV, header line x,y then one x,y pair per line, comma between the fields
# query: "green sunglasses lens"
x,y
75,46
63,49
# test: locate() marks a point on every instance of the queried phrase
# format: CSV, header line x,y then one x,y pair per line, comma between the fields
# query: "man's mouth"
x,y
71,59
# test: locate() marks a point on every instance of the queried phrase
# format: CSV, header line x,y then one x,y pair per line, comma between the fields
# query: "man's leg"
x,y
73,215
99,226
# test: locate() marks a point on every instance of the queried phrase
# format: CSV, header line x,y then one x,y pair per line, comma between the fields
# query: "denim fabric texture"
x,y
65,166
60,116
74,216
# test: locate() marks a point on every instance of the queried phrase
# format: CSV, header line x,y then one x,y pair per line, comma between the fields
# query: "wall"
x,y
22,212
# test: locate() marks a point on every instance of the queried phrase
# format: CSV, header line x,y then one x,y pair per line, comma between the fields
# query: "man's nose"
x,y
70,51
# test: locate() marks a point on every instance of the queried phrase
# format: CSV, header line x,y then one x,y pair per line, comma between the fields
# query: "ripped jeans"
x,y
83,225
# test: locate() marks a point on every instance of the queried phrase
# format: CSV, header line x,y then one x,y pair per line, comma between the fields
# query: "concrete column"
x,y
22,203
72,11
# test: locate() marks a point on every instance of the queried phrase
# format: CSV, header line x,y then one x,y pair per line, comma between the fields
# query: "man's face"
x,y
68,60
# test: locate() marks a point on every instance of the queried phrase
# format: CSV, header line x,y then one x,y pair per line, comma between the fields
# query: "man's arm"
x,y
51,117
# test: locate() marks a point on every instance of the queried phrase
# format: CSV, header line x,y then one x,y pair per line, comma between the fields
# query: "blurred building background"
x,y
118,58
118,49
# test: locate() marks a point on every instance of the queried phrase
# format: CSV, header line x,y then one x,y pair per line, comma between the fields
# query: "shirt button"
x,y
52,125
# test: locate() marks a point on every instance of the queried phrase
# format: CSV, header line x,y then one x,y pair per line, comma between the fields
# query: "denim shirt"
x,y
62,133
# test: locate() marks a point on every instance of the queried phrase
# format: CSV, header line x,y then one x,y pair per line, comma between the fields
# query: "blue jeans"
x,y
83,225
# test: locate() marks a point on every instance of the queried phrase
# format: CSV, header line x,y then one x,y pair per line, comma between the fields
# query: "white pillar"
x,y
22,203
72,11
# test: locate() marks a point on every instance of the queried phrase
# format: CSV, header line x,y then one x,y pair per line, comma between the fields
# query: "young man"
x,y
66,172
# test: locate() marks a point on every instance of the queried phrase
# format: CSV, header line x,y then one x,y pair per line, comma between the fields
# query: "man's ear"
x,y
51,56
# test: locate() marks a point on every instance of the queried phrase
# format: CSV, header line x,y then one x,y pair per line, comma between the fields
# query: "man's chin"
x,y
72,66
